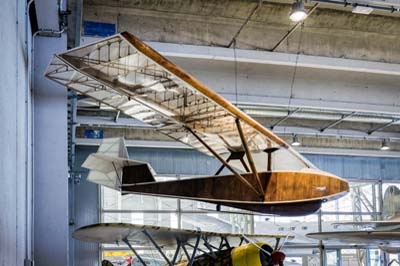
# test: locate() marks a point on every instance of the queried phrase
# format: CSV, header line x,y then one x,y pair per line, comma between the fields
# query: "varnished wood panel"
x,y
290,186
279,187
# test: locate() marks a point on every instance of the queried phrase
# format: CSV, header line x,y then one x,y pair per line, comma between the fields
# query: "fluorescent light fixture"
x,y
298,13
296,141
364,10
385,146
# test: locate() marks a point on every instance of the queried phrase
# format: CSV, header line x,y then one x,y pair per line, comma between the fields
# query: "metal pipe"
x,y
337,121
348,3
290,113
29,143
78,22
31,74
373,186
321,244
383,126
380,199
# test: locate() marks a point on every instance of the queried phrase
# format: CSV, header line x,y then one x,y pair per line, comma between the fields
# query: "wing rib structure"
x,y
124,73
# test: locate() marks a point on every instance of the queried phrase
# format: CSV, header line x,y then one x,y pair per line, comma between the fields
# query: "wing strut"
x,y
126,241
235,173
235,155
248,155
157,247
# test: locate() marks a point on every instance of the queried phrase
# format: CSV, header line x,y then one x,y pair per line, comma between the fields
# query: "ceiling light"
x,y
364,10
298,13
295,141
385,146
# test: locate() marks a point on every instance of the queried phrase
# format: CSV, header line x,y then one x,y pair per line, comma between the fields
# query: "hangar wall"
x,y
15,226
50,159
50,146
33,169
171,161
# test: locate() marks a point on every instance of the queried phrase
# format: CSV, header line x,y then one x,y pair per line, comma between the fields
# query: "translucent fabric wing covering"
x,y
126,74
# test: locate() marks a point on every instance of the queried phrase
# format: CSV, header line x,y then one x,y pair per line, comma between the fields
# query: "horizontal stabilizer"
x,y
109,169
137,173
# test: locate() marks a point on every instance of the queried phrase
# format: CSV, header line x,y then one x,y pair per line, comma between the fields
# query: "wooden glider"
x,y
267,174
200,247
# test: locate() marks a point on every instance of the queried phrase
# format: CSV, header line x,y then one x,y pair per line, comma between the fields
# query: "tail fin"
x,y
391,203
111,166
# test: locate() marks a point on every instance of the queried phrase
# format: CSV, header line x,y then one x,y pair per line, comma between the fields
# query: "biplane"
x,y
384,234
200,248
267,175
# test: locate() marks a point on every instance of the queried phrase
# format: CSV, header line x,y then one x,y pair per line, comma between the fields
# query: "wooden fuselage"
x,y
288,193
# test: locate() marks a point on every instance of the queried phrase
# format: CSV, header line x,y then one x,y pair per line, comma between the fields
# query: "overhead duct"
x,y
361,6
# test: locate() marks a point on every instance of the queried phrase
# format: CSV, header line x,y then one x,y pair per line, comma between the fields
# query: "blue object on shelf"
x,y
100,29
94,134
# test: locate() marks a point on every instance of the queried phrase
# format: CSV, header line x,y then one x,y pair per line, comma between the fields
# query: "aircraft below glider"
x,y
200,248
384,234
267,175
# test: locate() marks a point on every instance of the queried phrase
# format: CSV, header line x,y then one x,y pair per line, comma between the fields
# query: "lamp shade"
x,y
298,13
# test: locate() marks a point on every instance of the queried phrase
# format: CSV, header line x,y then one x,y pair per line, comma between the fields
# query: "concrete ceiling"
x,y
329,31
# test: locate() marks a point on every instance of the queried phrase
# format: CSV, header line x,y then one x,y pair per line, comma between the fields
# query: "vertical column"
x,y
50,147
14,169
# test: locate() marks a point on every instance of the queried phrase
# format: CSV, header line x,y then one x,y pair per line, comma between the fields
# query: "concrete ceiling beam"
x,y
274,58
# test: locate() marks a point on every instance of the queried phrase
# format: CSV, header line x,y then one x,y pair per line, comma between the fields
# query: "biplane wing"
x,y
360,237
373,223
137,235
216,248
128,75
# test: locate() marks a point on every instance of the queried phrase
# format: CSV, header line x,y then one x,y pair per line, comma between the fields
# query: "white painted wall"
x,y
23,238
15,228
50,160
50,148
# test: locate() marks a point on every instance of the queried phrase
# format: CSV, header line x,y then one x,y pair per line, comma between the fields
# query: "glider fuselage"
x,y
285,192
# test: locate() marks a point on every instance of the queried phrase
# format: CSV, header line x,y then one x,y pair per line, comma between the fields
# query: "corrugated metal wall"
x,y
358,167
190,162
85,209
